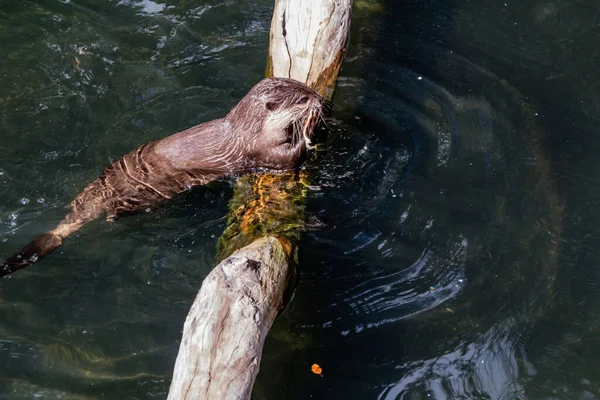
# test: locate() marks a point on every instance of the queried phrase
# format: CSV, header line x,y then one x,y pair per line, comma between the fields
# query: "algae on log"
x,y
225,330
264,205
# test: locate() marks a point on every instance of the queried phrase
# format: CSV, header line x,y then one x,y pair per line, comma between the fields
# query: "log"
x,y
226,327
229,321
308,42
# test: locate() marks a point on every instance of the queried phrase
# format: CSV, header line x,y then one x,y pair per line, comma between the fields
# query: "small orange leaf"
x,y
316,369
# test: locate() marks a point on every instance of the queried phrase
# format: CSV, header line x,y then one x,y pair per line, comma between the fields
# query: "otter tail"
x,y
34,251
86,207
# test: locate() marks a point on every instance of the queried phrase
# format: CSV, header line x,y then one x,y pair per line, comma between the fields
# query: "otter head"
x,y
276,121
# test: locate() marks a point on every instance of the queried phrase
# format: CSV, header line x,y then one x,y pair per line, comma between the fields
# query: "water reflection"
x,y
490,367
144,6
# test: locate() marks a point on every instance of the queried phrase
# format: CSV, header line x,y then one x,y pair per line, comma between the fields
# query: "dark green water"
x,y
459,185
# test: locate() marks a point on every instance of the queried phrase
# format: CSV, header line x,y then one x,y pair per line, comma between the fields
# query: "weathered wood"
x,y
225,330
226,327
308,41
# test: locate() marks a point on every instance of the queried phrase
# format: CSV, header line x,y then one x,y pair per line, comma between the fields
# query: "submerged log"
x,y
225,330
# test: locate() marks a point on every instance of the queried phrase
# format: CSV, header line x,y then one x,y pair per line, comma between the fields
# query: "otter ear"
x,y
271,106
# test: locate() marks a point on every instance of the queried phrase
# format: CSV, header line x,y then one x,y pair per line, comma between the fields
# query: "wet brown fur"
x,y
267,129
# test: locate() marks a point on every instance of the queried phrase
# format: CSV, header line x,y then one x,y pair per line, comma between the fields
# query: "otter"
x,y
269,129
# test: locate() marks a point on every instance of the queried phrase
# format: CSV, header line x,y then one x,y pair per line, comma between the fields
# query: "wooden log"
x,y
226,327
308,42
225,330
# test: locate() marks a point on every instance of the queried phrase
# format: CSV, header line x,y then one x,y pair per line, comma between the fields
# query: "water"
x,y
458,190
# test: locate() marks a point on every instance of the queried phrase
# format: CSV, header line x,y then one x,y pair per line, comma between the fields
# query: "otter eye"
x,y
271,106
302,100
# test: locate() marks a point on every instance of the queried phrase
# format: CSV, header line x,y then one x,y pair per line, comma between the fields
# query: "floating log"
x,y
226,327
